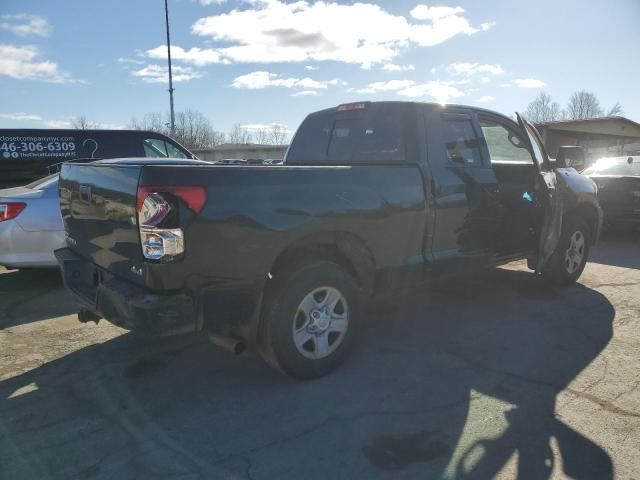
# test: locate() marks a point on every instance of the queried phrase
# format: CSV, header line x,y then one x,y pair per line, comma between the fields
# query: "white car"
x,y
30,224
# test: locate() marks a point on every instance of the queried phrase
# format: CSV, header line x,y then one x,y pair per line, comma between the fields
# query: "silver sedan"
x,y
30,224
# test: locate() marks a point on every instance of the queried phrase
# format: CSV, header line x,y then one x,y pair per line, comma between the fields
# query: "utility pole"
x,y
173,115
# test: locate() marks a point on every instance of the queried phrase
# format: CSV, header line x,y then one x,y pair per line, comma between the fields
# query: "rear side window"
x,y
378,134
462,145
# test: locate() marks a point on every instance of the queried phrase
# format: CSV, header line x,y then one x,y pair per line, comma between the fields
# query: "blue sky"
x,y
264,62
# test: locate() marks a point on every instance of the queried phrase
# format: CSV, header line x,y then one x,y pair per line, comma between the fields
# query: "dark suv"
x,y
27,155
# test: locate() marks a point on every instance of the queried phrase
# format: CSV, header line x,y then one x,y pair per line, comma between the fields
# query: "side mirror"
x,y
571,156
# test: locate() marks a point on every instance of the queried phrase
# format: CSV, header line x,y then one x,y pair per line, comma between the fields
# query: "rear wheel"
x,y
568,261
311,319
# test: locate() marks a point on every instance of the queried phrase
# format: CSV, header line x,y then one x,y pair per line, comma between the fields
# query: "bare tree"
x,y
616,110
192,128
150,121
81,122
543,109
584,105
261,136
279,135
239,135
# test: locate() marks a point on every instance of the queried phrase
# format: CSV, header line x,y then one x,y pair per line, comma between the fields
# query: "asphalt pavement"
x,y
494,375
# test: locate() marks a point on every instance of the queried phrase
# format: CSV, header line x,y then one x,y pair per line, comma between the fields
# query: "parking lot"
x,y
497,375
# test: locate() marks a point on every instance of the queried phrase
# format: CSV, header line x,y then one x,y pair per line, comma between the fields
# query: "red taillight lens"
x,y
194,196
11,210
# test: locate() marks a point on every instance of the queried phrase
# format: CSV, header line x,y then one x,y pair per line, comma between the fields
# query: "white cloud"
x,y
58,123
312,68
467,68
390,86
252,127
159,74
359,33
392,67
212,2
196,56
487,26
486,99
21,116
424,12
131,61
305,93
505,85
23,24
529,83
439,91
24,63
261,79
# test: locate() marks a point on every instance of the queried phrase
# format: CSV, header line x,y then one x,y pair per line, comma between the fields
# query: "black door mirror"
x,y
571,156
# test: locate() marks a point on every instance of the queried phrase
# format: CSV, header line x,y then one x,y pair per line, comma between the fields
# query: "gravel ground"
x,y
496,375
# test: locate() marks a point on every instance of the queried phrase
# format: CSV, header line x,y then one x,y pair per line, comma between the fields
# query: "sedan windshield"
x,y
616,166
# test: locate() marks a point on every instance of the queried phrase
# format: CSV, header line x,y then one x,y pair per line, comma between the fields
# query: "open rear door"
x,y
550,192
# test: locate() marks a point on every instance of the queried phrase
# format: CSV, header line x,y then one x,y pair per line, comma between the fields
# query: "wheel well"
x,y
589,214
349,253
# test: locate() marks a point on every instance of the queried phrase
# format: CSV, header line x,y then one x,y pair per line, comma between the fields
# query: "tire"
x,y
570,257
293,341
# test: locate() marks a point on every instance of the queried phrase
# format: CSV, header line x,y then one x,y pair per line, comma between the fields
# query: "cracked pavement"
x,y
492,376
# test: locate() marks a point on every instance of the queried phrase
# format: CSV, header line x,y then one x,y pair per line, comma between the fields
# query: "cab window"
x,y
504,144
462,147
379,133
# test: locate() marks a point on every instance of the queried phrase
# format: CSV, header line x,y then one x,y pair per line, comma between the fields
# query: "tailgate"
x,y
98,205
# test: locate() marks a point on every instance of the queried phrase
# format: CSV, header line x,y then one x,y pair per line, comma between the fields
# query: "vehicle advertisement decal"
x,y
61,148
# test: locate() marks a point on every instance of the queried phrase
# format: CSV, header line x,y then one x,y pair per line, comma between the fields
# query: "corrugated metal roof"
x,y
556,123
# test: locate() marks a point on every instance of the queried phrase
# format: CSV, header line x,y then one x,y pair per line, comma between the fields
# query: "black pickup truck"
x,y
372,199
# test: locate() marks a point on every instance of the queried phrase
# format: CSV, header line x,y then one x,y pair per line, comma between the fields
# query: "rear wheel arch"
x,y
344,249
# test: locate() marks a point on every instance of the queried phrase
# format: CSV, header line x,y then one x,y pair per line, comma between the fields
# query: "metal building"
x,y
600,137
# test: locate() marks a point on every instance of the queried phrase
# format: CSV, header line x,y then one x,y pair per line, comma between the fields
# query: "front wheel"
x,y
568,261
311,319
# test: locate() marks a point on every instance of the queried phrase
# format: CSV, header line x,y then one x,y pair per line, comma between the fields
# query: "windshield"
x,y
615,166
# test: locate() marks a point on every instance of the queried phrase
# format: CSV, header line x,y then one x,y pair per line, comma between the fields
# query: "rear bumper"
x,y
123,303
28,249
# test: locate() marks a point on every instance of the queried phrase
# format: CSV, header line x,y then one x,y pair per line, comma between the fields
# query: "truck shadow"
x,y
619,248
447,383
31,295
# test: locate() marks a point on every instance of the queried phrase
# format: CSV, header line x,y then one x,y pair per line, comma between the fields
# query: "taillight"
x,y
160,238
11,210
194,196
